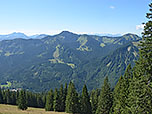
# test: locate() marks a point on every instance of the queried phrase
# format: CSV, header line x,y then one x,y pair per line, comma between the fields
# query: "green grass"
x,y
7,85
10,109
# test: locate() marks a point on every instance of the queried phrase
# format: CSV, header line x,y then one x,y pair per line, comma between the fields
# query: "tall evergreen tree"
x,y
8,96
49,101
39,101
121,92
1,96
94,100
56,103
85,102
72,100
140,95
118,97
22,103
13,98
105,98
61,99
65,94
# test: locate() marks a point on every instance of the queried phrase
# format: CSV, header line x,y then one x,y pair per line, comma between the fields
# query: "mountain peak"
x,y
130,36
66,33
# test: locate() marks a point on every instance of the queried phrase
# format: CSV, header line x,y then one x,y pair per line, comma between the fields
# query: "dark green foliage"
x,y
22,103
13,98
118,97
1,96
40,103
105,99
141,86
61,99
56,102
72,100
121,91
49,101
85,102
65,94
8,97
94,100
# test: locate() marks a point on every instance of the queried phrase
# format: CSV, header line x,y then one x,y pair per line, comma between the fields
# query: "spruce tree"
x,y
121,92
22,103
105,98
49,101
61,99
72,100
85,102
65,94
94,100
8,96
56,103
140,95
13,98
39,101
1,96
118,97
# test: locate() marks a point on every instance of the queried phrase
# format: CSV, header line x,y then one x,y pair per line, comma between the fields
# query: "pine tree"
x,y
105,98
140,95
118,97
85,102
121,92
22,103
49,101
56,103
61,99
39,101
1,96
72,100
65,94
8,96
94,100
13,98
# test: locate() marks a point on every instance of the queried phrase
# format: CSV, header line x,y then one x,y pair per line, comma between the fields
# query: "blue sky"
x,y
78,16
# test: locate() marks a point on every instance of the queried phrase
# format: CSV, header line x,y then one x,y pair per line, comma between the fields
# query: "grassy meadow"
x,y
10,109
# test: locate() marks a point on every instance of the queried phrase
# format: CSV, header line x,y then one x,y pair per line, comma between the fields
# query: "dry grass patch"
x,y
9,109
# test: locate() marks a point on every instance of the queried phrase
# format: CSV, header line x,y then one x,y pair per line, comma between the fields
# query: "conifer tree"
x,y
65,94
22,103
85,102
72,100
49,101
13,98
39,101
61,99
56,103
140,95
94,100
121,92
118,97
1,96
105,98
8,96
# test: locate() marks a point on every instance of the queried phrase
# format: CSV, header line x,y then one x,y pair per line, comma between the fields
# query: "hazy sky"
x,y
79,16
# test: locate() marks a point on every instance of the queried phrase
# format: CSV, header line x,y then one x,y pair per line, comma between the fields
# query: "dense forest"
x,y
131,95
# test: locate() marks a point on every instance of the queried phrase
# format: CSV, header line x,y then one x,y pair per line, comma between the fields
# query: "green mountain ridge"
x,y
41,64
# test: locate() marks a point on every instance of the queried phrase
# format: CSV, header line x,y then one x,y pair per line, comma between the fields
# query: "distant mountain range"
x,y
43,63
21,35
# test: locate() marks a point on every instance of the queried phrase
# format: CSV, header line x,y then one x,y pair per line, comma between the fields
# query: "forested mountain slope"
x,y
41,64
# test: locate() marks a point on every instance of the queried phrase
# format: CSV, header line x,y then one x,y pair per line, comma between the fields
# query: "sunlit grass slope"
x,y
9,109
